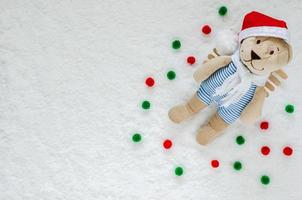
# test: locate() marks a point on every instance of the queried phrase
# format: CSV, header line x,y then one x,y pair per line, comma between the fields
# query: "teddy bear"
x,y
238,83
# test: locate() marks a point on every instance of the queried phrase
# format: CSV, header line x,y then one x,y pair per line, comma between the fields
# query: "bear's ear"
x,y
290,53
289,49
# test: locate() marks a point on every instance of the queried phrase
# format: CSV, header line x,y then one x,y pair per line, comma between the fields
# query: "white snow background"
x,y
71,84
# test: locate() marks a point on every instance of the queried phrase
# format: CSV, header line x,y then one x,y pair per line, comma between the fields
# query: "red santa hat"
x,y
258,24
254,24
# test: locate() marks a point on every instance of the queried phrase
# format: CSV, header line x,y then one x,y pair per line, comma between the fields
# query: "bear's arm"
x,y
253,110
210,67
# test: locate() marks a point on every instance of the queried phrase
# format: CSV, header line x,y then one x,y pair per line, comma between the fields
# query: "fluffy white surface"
x,y
72,80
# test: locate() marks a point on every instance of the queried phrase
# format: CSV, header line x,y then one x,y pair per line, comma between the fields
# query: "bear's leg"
x,y
181,112
210,131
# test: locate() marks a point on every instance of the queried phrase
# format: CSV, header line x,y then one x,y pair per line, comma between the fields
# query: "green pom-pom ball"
x,y
171,75
240,140
176,44
265,180
179,171
136,137
237,165
289,108
223,10
146,105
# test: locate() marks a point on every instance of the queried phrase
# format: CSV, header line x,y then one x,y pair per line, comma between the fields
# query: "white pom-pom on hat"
x,y
226,42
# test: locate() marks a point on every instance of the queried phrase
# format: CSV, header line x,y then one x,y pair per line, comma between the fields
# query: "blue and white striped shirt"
x,y
208,87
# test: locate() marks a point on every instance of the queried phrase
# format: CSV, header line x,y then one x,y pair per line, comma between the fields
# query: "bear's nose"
x,y
254,56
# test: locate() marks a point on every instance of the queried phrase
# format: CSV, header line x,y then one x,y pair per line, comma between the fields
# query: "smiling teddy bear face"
x,y
263,55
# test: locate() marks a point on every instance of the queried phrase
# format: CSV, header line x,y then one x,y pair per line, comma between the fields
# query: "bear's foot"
x,y
206,134
179,113
210,131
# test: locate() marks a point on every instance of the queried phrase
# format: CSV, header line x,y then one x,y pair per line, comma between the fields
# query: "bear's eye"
x,y
258,41
271,52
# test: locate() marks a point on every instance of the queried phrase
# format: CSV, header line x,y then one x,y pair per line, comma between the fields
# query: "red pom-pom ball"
x,y
215,163
149,81
167,144
206,29
265,150
191,60
288,151
264,125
